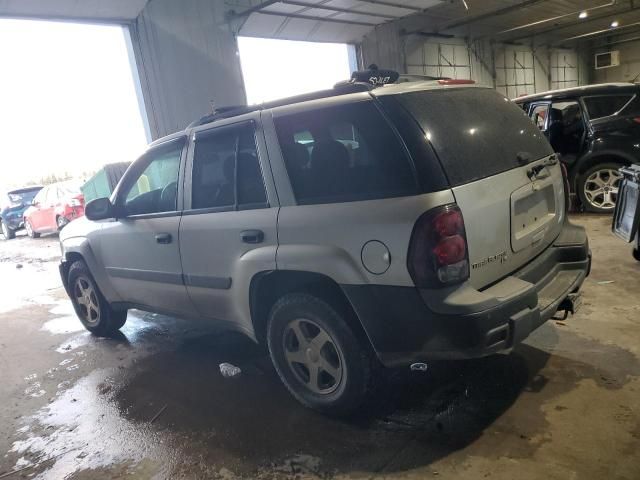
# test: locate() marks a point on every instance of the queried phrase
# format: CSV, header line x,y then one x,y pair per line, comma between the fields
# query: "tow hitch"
x,y
569,305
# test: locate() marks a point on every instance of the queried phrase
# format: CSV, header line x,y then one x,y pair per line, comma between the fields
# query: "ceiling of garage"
x,y
546,21
90,10
554,22
325,20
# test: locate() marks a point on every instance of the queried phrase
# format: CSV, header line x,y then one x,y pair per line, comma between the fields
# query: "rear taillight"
x,y
76,201
636,119
438,253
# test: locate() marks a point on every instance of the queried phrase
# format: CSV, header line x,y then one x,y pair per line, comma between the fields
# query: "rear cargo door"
x,y
510,218
502,171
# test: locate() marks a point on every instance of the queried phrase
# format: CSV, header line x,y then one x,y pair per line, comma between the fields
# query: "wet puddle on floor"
x,y
174,409
62,325
166,408
29,284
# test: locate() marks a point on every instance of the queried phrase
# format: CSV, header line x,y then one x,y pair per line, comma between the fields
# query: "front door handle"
x,y
163,238
252,236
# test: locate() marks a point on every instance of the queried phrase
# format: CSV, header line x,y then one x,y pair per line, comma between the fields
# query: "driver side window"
x,y
155,190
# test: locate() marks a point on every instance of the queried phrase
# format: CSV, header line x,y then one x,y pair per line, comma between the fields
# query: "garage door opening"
x,y
69,102
275,69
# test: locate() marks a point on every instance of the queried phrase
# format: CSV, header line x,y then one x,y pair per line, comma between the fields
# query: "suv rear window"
x,y
344,153
476,132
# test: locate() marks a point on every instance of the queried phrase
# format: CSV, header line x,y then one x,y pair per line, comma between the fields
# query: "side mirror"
x,y
99,209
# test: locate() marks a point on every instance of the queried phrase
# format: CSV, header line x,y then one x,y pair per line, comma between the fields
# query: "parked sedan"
x,y
53,208
12,208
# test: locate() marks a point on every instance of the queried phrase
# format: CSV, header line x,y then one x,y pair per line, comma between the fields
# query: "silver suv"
x,y
347,229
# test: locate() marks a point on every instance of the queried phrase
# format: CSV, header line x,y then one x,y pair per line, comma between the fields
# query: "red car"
x,y
53,207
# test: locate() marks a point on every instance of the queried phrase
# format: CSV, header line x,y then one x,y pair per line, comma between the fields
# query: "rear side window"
x,y
344,153
605,105
476,132
226,170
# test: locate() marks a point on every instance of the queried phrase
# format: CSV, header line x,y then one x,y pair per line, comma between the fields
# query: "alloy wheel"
x,y
5,231
601,188
87,299
28,228
313,356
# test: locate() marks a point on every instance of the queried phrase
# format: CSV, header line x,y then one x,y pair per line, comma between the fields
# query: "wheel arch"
x,y
588,161
267,287
78,248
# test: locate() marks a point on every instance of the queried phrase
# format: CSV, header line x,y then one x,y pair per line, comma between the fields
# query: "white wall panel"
x,y
186,60
564,69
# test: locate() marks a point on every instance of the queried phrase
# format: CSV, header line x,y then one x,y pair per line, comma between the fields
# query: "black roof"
x,y
597,89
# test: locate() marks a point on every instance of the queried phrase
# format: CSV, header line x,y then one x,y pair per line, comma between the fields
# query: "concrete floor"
x,y
151,403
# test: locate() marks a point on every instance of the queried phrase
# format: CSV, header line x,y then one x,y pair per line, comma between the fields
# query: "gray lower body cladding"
x,y
403,329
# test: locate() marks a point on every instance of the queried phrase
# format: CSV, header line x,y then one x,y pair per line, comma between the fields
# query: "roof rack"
x,y
235,110
360,81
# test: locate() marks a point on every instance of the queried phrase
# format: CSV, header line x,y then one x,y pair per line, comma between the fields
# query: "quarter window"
x,y
155,190
344,153
226,169
605,105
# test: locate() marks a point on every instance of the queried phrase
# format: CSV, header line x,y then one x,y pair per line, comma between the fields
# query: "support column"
x,y
187,60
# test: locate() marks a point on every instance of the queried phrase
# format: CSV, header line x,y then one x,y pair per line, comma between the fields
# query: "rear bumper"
x,y
407,325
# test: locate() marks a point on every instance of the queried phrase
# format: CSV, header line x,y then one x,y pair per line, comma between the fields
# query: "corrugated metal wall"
x,y
512,70
186,60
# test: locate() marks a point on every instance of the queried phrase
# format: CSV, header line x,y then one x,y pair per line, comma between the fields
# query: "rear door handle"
x,y
163,238
252,236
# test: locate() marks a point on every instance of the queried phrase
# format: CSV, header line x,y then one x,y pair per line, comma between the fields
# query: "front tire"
x,y
317,355
92,308
598,187
30,231
7,232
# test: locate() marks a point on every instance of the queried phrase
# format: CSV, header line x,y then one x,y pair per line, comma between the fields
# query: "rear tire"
x,y
7,232
92,308
598,187
30,231
636,254
317,355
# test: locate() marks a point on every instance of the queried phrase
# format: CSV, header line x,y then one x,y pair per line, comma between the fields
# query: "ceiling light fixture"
x,y
606,31
582,14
